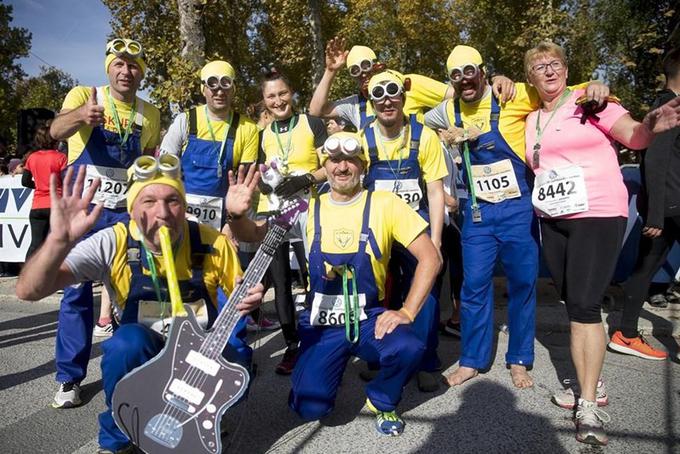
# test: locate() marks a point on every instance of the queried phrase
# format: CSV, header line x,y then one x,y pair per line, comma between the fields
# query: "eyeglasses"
x,y
382,91
125,48
541,68
216,82
466,71
364,66
346,147
147,167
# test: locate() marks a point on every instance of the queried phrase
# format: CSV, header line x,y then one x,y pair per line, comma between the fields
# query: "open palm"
x,y
664,118
69,217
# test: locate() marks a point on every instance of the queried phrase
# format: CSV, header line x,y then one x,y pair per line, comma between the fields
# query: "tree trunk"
x,y
191,31
318,50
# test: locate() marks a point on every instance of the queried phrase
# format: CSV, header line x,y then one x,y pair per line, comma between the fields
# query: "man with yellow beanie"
x,y
127,259
362,63
107,128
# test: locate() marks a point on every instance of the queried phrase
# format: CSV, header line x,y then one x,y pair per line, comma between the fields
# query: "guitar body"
x,y
174,403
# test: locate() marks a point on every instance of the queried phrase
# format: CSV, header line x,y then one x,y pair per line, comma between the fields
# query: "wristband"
x,y
407,313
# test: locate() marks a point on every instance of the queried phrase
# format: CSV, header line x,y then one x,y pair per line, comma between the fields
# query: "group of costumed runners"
x,y
372,238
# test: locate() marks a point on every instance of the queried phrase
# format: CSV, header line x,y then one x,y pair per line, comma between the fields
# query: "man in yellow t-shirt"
x,y
211,139
127,259
107,128
362,63
352,232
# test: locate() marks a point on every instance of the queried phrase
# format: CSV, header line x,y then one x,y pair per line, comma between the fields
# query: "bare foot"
x,y
460,376
520,378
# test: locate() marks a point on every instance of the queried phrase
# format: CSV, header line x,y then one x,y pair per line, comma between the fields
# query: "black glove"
x,y
264,188
292,184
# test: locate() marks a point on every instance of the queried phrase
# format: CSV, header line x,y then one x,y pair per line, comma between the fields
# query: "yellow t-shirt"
x,y
220,267
430,156
245,141
390,219
151,123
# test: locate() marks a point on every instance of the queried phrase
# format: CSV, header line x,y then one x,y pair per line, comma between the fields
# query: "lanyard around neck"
x,y
406,131
539,130
285,152
123,134
351,310
154,279
224,139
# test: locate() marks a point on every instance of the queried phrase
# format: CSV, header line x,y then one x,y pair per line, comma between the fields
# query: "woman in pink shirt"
x,y
583,204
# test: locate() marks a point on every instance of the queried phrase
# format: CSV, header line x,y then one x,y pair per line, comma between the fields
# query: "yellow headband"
x,y
342,136
385,76
463,55
218,68
136,187
358,53
110,57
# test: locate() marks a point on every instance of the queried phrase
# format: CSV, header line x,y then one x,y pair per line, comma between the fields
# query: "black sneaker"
x,y
68,396
449,328
287,364
659,301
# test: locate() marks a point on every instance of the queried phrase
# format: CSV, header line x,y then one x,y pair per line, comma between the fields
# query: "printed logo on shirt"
x,y
343,238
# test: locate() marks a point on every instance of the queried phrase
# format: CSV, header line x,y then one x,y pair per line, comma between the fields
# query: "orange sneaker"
x,y
636,346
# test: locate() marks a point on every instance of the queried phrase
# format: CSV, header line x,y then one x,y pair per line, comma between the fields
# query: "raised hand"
x,y
69,217
336,55
663,118
242,186
92,113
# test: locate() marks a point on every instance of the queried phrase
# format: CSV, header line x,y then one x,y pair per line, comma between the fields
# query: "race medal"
x,y
329,310
112,190
560,192
495,182
206,209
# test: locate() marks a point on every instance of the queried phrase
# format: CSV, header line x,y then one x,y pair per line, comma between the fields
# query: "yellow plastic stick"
x,y
171,274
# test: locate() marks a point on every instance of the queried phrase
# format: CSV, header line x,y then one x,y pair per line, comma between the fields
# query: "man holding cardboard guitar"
x,y
127,258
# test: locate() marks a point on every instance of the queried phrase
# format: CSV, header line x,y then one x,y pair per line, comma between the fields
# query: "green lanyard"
x,y
401,152
540,131
351,312
224,140
476,214
122,134
154,279
284,152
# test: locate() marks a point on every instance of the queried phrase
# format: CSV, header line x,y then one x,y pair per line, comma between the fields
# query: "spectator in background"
x,y
15,166
40,165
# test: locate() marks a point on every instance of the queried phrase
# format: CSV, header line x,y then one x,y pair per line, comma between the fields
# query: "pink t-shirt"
x,y
566,142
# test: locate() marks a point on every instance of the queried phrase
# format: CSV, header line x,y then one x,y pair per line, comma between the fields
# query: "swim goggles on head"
x,y
216,82
147,167
364,66
342,147
467,71
125,48
389,89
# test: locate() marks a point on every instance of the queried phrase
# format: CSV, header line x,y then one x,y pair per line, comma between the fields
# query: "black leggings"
x,y
281,278
581,255
39,218
652,254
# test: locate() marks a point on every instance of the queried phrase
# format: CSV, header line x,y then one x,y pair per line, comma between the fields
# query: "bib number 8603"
x,y
331,318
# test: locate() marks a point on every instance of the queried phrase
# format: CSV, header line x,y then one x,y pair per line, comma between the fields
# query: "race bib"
x,y
329,310
113,187
158,316
495,182
560,192
407,190
206,209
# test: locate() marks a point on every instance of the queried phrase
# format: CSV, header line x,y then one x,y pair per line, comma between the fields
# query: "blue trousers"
x,y
324,354
508,231
76,318
131,346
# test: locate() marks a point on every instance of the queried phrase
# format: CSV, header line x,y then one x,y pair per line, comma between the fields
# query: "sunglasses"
x,y
364,66
125,48
347,147
466,71
216,82
386,90
147,167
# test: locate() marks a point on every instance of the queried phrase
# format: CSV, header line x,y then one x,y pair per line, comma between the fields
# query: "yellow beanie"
x,y
110,57
358,53
135,186
463,55
385,76
342,136
218,68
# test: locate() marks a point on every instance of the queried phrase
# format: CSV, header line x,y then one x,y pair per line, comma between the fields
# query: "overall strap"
x,y
495,113
363,238
456,111
372,146
317,221
193,128
416,132
198,249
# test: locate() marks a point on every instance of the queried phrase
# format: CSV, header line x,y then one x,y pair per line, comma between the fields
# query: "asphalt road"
x,y
485,415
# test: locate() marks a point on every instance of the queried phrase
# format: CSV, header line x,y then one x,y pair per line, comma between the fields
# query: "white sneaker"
x,y
102,330
68,396
566,398
589,423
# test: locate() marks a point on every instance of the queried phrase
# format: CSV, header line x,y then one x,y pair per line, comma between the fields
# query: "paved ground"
x,y
485,415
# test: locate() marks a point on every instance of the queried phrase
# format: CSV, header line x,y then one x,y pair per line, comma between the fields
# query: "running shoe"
x,y
659,301
68,395
265,324
589,423
287,364
386,422
103,330
450,328
566,398
636,346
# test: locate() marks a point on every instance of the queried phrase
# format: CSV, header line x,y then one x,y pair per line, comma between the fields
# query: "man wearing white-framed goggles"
x,y
363,67
342,145
147,168
467,71
217,82
383,90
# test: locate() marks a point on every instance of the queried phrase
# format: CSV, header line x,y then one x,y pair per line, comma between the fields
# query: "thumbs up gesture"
x,y
91,113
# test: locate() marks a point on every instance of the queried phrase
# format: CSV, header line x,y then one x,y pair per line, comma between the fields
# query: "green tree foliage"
x,y
47,90
14,43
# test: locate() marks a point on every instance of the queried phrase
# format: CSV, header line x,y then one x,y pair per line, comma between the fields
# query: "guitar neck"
x,y
226,321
